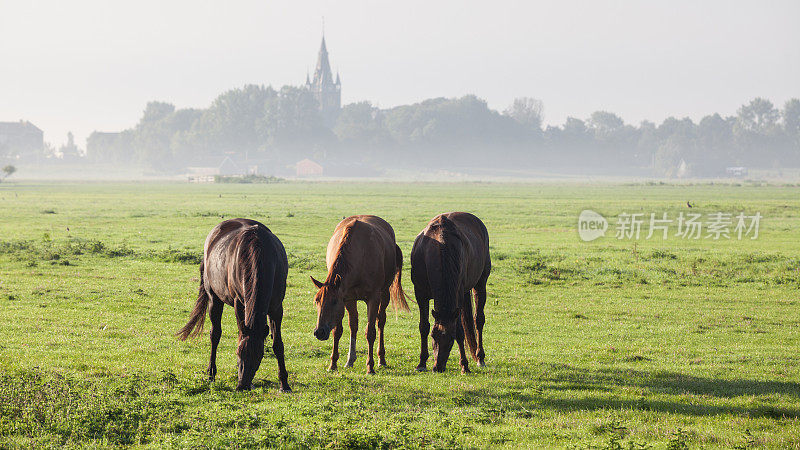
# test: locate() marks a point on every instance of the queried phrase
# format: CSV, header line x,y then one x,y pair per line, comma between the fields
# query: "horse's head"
x,y
250,353
445,331
330,306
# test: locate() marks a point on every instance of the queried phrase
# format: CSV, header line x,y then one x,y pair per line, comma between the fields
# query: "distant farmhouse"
x,y
308,168
326,90
20,140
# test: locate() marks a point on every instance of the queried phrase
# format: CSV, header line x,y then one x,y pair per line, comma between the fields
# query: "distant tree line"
x,y
261,123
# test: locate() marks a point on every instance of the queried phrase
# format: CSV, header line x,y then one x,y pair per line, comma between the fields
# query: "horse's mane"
x,y
245,270
450,252
341,266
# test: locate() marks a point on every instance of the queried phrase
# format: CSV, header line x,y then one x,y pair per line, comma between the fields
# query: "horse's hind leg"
x,y
480,318
215,314
337,334
277,349
352,317
381,324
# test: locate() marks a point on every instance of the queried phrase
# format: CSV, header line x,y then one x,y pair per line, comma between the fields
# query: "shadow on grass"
x,y
592,390
644,404
593,384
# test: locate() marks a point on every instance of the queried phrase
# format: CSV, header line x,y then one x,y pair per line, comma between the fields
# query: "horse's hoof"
x,y
422,369
332,369
370,371
465,370
383,364
481,363
286,390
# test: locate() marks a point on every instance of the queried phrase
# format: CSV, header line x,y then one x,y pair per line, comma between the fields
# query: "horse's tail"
x,y
468,324
249,268
398,296
198,316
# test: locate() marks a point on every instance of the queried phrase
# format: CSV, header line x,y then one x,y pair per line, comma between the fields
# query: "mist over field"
x,y
258,130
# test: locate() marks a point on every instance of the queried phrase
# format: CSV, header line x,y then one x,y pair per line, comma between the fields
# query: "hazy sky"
x,y
93,65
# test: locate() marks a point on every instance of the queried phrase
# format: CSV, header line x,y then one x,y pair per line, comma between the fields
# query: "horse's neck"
x,y
339,267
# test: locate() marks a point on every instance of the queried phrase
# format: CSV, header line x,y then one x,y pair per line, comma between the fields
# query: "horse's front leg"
x,y
277,349
373,303
337,334
352,317
480,319
215,314
424,329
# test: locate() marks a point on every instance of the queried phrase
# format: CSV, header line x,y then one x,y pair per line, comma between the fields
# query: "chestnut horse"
x,y
244,266
449,259
364,263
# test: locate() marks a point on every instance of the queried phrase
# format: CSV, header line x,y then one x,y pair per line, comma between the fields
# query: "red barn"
x,y
308,168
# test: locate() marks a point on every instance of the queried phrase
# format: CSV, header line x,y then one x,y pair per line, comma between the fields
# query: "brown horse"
x,y
244,266
364,263
449,259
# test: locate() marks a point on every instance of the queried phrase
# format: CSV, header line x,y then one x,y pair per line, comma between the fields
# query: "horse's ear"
x,y
337,280
316,283
435,314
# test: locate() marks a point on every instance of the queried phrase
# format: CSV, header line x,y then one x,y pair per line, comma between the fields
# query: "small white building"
x,y
737,172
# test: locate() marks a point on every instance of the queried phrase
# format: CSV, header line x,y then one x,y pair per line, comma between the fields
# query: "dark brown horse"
x,y
244,266
449,259
364,263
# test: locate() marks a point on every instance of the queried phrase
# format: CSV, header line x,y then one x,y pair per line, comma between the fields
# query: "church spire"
x,y
322,73
326,89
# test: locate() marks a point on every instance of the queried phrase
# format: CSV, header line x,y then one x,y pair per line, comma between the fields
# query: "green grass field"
x,y
607,344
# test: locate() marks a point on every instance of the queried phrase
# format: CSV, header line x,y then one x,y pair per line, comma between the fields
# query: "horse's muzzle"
x,y
322,333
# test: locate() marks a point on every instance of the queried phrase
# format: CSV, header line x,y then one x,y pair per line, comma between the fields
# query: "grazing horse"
x,y
364,263
244,266
449,259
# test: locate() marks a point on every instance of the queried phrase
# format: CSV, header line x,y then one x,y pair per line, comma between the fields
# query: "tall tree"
x,y
791,118
758,116
527,111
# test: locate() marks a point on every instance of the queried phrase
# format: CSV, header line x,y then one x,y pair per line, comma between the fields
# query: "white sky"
x,y
93,65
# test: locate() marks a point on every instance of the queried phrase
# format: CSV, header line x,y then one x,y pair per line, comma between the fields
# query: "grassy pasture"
x,y
605,344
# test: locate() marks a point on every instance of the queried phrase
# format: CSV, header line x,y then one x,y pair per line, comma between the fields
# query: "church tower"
x,y
326,90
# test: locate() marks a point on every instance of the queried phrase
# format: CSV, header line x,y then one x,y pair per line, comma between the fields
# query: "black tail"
x,y
198,317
